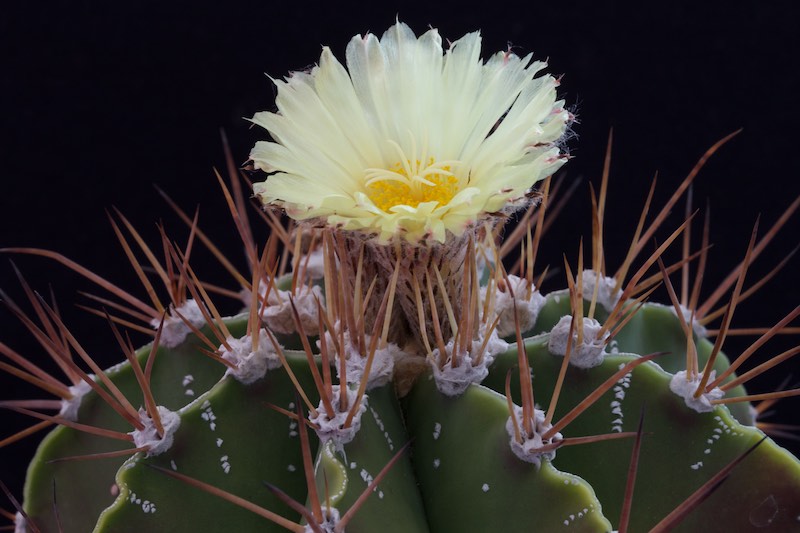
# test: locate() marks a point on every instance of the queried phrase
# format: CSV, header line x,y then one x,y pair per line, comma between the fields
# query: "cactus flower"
x,y
410,140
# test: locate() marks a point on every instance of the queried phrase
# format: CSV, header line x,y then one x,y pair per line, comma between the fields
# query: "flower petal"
x,y
461,139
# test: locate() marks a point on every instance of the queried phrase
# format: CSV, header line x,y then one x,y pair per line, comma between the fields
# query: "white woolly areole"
x,y
149,437
331,429
175,329
527,309
330,519
250,365
588,353
526,450
278,314
20,524
380,373
698,328
453,381
382,368
686,388
350,349
69,408
313,264
605,290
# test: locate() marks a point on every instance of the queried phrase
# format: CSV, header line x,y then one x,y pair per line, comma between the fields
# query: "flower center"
x,y
411,184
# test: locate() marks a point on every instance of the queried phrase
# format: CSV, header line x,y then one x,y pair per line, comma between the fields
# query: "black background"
x,y
102,100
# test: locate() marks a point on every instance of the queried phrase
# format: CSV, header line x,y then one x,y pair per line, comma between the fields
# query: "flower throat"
x,y
411,184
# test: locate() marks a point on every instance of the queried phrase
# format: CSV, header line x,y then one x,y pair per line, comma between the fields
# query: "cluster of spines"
x,y
345,311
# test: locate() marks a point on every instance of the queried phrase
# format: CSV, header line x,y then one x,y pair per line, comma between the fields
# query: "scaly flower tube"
x,y
409,140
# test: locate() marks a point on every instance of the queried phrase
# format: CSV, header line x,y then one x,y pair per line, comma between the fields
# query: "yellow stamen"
x,y
431,183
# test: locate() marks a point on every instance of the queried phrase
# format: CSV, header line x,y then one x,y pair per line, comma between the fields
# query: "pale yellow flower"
x,y
410,140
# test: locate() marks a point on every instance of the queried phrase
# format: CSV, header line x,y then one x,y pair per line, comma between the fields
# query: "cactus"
x,y
394,364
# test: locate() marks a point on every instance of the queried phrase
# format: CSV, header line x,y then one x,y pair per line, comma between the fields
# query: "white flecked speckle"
x,y
616,405
365,476
378,421
209,416
147,506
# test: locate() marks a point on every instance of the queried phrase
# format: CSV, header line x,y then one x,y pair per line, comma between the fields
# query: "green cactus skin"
x,y
464,439
652,329
84,489
477,482
396,502
682,448
231,438
458,473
